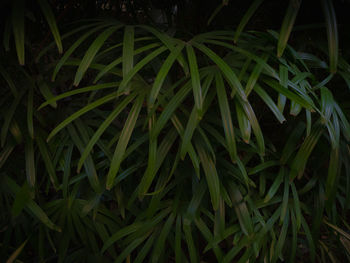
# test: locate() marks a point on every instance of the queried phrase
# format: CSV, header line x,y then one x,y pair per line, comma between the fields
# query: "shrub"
x,y
138,145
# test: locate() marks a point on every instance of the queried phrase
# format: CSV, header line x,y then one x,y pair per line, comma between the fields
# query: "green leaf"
x,y
177,245
145,61
216,11
30,112
30,163
33,207
304,101
91,52
16,253
255,126
66,170
170,44
168,111
120,234
299,162
191,152
159,246
197,196
226,117
163,72
9,81
287,25
309,238
128,50
269,70
291,144
254,76
297,209
225,68
123,141
7,35
82,111
22,198
131,247
285,199
270,103
294,237
275,186
89,164
52,101
333,168
51,21
210,174
18,12
189,240
344,122
245,19
134,69
8,116
193,120
332,34
263,166
281,239
5,153
241,209
150,173
284,83
339,230
72,48
118,109
47,93
196,85
146,248
45,154
244,124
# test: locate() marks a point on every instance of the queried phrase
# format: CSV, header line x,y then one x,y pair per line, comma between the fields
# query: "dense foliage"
x,y
152,131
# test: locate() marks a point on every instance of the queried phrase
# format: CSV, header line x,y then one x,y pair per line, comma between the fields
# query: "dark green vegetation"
x,y
173,132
